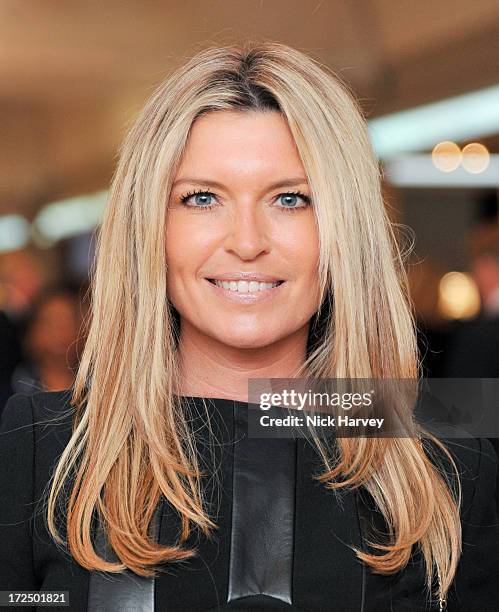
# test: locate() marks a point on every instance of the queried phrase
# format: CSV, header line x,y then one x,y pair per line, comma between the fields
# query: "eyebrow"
x,y
291,182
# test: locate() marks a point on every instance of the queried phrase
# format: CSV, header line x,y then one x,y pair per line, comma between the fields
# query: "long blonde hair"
x,y
130,442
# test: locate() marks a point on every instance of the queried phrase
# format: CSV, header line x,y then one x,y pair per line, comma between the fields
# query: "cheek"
x,y
177,246
188,247
175,254
302,250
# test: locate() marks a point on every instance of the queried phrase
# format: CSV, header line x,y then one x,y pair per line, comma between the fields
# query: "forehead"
x,y
253,142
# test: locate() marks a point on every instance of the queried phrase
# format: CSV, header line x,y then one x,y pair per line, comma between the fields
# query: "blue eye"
x,y
203,200
292,197
200,198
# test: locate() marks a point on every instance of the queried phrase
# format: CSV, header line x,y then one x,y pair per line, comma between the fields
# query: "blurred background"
x,y
74,74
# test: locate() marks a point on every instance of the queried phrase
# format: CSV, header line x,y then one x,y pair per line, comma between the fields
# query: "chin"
x,y
246,340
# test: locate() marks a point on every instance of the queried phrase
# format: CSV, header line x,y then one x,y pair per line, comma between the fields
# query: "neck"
x,y
209,368
55,376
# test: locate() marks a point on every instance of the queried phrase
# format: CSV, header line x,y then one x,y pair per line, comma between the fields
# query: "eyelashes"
x,y
186,197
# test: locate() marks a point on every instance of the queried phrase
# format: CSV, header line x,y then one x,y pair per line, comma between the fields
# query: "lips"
x,y
246,292
213,280
241,276
244,286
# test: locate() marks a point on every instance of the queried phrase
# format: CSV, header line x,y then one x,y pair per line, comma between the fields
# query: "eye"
x,y
201,198
290,199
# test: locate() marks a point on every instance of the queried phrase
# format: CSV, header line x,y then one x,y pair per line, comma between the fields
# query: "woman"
x,y
50,342
246,166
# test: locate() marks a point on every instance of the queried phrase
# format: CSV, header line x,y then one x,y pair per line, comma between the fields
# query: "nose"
x,y
247,233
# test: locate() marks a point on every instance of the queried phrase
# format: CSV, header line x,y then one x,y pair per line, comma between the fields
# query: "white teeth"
x,y
245,286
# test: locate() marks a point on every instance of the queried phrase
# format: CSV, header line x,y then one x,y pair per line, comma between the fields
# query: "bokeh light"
x,y
446,156
475,157
458,296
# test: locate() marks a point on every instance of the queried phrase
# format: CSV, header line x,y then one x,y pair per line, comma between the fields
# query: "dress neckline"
x,y
217,400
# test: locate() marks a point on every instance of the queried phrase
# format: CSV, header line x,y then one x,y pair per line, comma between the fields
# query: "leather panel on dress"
x,y
263,514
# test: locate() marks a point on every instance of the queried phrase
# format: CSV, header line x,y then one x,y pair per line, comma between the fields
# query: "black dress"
x,y
283,541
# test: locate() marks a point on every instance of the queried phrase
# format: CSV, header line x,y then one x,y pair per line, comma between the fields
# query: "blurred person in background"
x,y
473,346
22,276
21,279
432,329
473,349
50,343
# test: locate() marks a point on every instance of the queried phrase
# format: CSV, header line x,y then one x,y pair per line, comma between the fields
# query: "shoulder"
x,y
466,451
475,584
16,437
38,424
40,408
40,405
34,429
478,571
477,464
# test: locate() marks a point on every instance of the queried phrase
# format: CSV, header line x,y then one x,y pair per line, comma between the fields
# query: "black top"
x,y
283,540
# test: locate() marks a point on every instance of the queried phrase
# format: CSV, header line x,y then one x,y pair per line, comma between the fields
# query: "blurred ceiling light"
x,y
419,171
476,157
458,296
446,156
14,233
471,115
68,218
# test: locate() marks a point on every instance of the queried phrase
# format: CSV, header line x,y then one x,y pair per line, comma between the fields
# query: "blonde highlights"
x,y
130,443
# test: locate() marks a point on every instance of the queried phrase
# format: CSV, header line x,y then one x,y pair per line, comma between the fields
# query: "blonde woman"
x,y
245,237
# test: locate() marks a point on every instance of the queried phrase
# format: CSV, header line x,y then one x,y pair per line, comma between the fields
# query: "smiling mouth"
x,y
245,286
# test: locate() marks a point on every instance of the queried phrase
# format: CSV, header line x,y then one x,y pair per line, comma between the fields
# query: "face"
x,y
55,329
242,243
